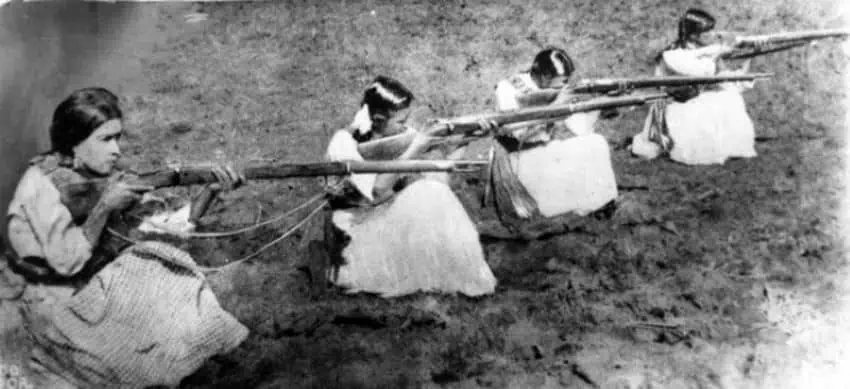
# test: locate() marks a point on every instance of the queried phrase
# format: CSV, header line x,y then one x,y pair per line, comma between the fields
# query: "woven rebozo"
x,y
658,132
512,201
148,318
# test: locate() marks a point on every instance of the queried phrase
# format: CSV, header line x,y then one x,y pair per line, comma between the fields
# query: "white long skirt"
x,y
711,128
421,241
571,175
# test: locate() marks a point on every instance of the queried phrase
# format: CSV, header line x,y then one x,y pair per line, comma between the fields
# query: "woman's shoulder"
x,y
685,61
42,168
33,177
50,162
33,183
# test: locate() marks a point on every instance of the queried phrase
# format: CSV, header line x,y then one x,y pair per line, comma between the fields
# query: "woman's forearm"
x,y
95,223
711,50
384,183
415,149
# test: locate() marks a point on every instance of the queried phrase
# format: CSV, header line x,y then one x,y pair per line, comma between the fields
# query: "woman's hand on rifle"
x,y
418,145
117,196
120,195
729,43
228,178
488,126
565,96
683,94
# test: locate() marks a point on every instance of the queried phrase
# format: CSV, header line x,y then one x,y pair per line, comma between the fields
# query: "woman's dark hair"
x,y
385,95
694,21
552,62
79,115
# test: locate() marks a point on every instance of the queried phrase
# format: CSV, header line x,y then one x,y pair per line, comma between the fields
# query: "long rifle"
x,y
81,197
738,54
794,36
199,175
470,126
757,45
626,85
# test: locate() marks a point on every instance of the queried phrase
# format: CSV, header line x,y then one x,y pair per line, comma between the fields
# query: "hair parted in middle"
x,y
695,21
552,62
82,112
385,95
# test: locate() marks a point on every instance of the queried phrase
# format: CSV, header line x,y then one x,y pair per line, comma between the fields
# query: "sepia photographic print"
x,y
458,194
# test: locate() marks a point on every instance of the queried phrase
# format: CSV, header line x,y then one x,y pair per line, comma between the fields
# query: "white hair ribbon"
x,y
388,94
559,66
362,120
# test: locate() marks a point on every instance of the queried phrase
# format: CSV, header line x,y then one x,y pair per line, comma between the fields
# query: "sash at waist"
x,y
513,145
37,270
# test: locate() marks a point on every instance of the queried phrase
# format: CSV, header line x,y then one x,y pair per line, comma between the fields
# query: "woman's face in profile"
x,y
100,152
391,123
556,82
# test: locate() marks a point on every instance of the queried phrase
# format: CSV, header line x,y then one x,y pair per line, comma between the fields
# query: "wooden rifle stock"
x,y
466,127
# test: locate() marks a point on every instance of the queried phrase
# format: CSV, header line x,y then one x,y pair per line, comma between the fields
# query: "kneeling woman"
x,y
394,234
709,128
103,313
547,170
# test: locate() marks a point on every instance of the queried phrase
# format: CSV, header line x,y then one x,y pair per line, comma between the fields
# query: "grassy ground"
x,y
720,277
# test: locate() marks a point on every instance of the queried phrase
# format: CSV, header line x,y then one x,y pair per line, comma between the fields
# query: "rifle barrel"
x,y
605,85
467,126
796,35
549,112
745,53
203,175
317,169
610,84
